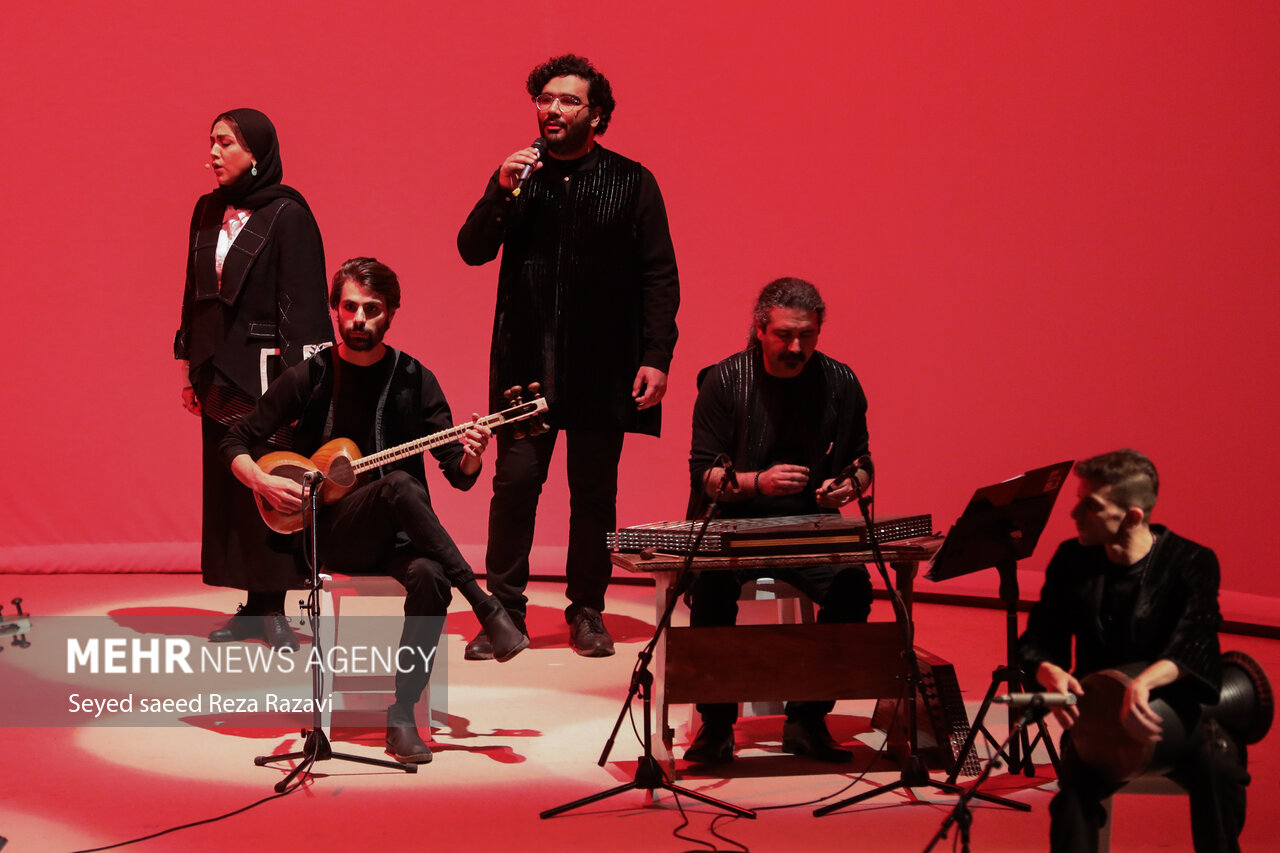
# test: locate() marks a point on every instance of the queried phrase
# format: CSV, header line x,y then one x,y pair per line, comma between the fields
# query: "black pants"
x,y
1211,769
388,527
519,473
843,594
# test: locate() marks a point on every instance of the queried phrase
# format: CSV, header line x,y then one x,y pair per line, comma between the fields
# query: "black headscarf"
x,y
251,191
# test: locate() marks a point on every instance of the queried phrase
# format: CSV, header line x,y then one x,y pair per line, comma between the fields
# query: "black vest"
x,y
570,310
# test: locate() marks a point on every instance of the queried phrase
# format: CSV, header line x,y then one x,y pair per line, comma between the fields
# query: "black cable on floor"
x,y
190,825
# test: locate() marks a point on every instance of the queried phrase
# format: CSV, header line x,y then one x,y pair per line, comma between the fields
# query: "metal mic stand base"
x,y
649,777
315,746
649,773
914,774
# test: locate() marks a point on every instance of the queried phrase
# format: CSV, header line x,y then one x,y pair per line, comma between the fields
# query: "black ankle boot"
x,y
809,736
479,648
713,745
505,638
404,744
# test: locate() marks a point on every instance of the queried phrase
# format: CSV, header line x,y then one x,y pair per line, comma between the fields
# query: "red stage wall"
x,y
1044,230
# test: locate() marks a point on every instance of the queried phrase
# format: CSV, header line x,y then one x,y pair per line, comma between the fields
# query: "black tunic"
x,y
587,290
272,297
1174,615
817,419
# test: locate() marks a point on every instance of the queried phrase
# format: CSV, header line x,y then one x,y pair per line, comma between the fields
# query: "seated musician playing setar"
x,y
791,420
1128,592
379,397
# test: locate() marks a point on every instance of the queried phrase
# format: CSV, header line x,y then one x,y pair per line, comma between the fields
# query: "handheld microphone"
x,y
1037,700
539,145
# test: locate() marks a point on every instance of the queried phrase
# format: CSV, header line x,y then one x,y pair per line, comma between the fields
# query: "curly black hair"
x,y
599,92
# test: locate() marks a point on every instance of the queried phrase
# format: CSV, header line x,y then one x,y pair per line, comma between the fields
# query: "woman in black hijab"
x,y
256,301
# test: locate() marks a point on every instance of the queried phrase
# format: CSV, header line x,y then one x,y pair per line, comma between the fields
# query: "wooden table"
x,y
774,662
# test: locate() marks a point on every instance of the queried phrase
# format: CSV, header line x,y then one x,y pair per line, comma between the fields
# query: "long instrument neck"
x,y
419,445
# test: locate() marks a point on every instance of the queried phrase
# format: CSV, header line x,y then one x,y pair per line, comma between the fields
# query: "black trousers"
x,y
843,595
519,473
388,527
1211,769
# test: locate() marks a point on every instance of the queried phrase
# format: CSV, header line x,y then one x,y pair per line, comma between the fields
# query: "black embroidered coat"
x,y
1175,615
587,289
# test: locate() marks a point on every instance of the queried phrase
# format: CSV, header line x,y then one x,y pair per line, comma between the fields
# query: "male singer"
x,y
791,420
1126,591
586,305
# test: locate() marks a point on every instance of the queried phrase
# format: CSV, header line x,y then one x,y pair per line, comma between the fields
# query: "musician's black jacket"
x,y
817,419
273,295
410,406
587,291
1174,615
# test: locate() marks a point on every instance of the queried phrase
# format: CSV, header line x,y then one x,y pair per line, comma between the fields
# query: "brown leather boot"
x,y
404,744
506,640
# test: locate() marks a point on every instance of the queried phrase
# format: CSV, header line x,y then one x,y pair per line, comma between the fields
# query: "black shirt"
x,y
356,389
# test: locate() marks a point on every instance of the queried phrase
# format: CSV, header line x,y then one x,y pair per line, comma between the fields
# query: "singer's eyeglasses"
x,y
568,103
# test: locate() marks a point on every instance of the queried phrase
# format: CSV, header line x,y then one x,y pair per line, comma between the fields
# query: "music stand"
x,y
1000,526
316,746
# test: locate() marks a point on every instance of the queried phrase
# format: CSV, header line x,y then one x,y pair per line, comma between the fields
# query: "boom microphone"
x,y
849,472
1037,700
723,461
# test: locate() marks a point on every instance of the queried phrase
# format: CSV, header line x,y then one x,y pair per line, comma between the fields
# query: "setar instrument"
x,y
342,464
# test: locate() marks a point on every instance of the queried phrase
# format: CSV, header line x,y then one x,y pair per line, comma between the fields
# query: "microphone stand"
x,y
649,774
1020,749
961,814
316,745
913,773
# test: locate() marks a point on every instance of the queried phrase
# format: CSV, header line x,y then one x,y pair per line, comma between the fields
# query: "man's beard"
x,y
368,341
573,140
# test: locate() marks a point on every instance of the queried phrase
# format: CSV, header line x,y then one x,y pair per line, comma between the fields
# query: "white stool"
x,y
379,599
766,601
771,602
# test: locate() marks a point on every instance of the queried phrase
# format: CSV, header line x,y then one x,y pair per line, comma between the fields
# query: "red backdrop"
x,y
1043,230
